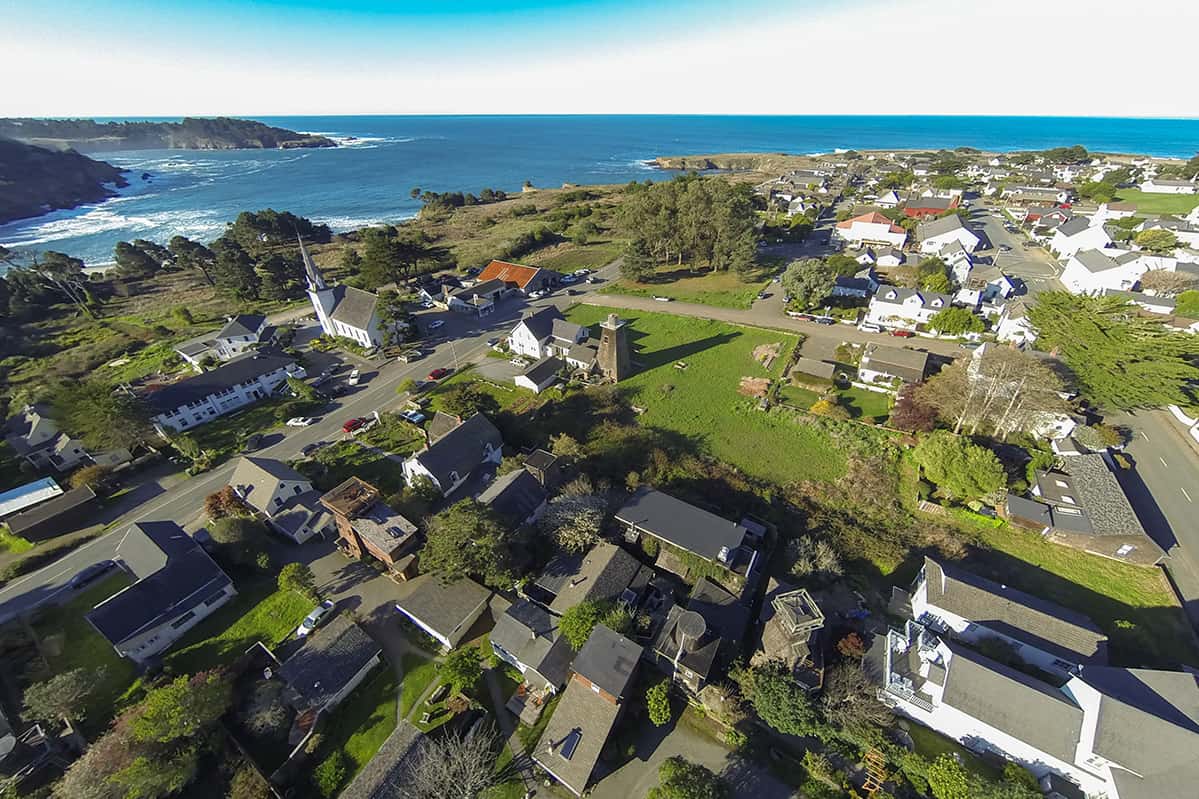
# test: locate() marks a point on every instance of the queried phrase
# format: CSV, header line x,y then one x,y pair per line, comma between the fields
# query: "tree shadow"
x,y
646,360
1145,506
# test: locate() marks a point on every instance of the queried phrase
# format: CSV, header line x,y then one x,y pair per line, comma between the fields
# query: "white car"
x,y
355,376
869,327
436,323
300,421
315,619
581,272
536,295
660,298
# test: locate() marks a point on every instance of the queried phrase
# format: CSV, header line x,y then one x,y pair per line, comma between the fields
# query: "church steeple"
x,y
316,281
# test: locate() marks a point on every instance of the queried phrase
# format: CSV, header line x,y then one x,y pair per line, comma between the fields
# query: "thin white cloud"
x,y
1030,57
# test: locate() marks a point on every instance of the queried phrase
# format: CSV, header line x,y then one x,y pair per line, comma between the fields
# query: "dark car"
x,y
92,573
437,374
311,448
824,320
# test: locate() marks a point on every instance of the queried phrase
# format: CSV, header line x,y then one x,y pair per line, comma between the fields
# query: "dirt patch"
x,y
766,354
754,386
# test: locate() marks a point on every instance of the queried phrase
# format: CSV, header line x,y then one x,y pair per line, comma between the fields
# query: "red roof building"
x,y
522,278
921,207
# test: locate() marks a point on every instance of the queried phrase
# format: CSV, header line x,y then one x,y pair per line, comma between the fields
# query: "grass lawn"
x,y
721,289
933,744
505,395
513,788
226,435
866,405
394,435
360,725
84,648
588,256
345,459
1132,604
160,357
1158,203
802,398
258,613
419,672
702,401
13,544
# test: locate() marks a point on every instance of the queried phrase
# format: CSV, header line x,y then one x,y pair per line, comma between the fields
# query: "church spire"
x,y
316,282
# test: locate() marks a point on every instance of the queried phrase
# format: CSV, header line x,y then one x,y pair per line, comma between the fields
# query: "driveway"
x,y
1033,266
639,775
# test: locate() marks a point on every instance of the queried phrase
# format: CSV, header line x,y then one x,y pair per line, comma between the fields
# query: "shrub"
x,y
331,773
813,558
657,701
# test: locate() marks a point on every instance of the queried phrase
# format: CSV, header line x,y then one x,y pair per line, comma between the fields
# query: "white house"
x,y
893,306
1183,230
453,457
1096,271
872,228
958,260
192,401
1168,186
1109,212
177,586
541,375
444,610
861,285
35,436
283,496
545,333
890,257
240,334
1013,324
343,311
889,199
1078,233
936,233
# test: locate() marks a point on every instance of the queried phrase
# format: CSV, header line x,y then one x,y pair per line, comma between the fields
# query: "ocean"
x,y
367,181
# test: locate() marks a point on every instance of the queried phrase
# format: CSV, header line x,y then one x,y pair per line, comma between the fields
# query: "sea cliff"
x,y
34,180
221,133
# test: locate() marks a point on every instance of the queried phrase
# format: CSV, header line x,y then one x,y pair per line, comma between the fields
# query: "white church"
x,y
343,311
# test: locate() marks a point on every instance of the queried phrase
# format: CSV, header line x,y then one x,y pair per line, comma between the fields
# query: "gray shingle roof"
x,y
353,307
1149,724
565,331
909,365
544,369
541,323
1074,226
439,605
935,227
681,524
49,509
227,375
1012,702
461,449
1098,493
330,657
515,495
175,573
530,634
1023,617
242,325
608,660
1095,261
575,735
599,574
256,479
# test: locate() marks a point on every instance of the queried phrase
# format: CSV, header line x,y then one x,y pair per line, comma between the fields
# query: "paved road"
x,y
1034,266
1164,489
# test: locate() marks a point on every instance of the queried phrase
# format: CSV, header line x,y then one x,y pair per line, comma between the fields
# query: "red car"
x,y
902,333
351,425
437,374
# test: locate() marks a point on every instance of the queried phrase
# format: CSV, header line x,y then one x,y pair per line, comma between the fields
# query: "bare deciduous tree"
x,y
453,766
1168,284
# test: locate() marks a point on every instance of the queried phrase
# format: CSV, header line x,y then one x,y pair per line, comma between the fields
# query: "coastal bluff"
x,y
35,180
735,162
191,133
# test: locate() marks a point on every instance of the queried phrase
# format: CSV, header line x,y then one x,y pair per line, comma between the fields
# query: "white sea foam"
x,y
341,224
159,225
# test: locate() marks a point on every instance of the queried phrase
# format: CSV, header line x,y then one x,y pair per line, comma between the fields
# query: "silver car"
x,y
319,615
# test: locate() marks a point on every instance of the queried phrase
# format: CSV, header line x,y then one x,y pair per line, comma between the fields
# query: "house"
x,y
894,306
478,298
240,334
592,703
367,525
888,199
871,228
518,278
960,605
1168,186
198,399
177,586
958,260
456,455
1185,232
934,234
822,370
517,496
691,529
882,364
343,311
545,333
1045,216
541,375
282,495
861,285
604,573
866,258
1082,505
696,644
1110,212
1014,325
29,495
890,257
35,436
1148,302
1095,271
924,207
62,514
334,659
526,636
792,632
546,467
1035,195
1077,233
444,610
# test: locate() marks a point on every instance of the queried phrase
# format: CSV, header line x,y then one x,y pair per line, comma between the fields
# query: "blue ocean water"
x,y
196,193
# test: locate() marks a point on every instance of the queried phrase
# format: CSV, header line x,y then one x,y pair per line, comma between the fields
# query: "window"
x,y
278,502
295,489
182,620
595,688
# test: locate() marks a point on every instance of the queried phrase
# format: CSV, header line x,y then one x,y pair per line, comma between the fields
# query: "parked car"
x,y
352,424
319,615
410,356
536,295
253,442
300,421
436,323
311,448
807,317
581,272
824,320
518,361
1004,248
493,342
355,376
762,295
416,417
593,280
568,279
92,573
439,373
869,327
901,333
658,298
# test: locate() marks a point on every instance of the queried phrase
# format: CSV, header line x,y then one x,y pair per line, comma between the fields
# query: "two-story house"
x,y
1077,233
35,436
545,333
449,461
284,497
895,306
240,334
871,228
934,234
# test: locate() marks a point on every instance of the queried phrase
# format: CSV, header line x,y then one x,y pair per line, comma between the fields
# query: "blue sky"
x,y
169,57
